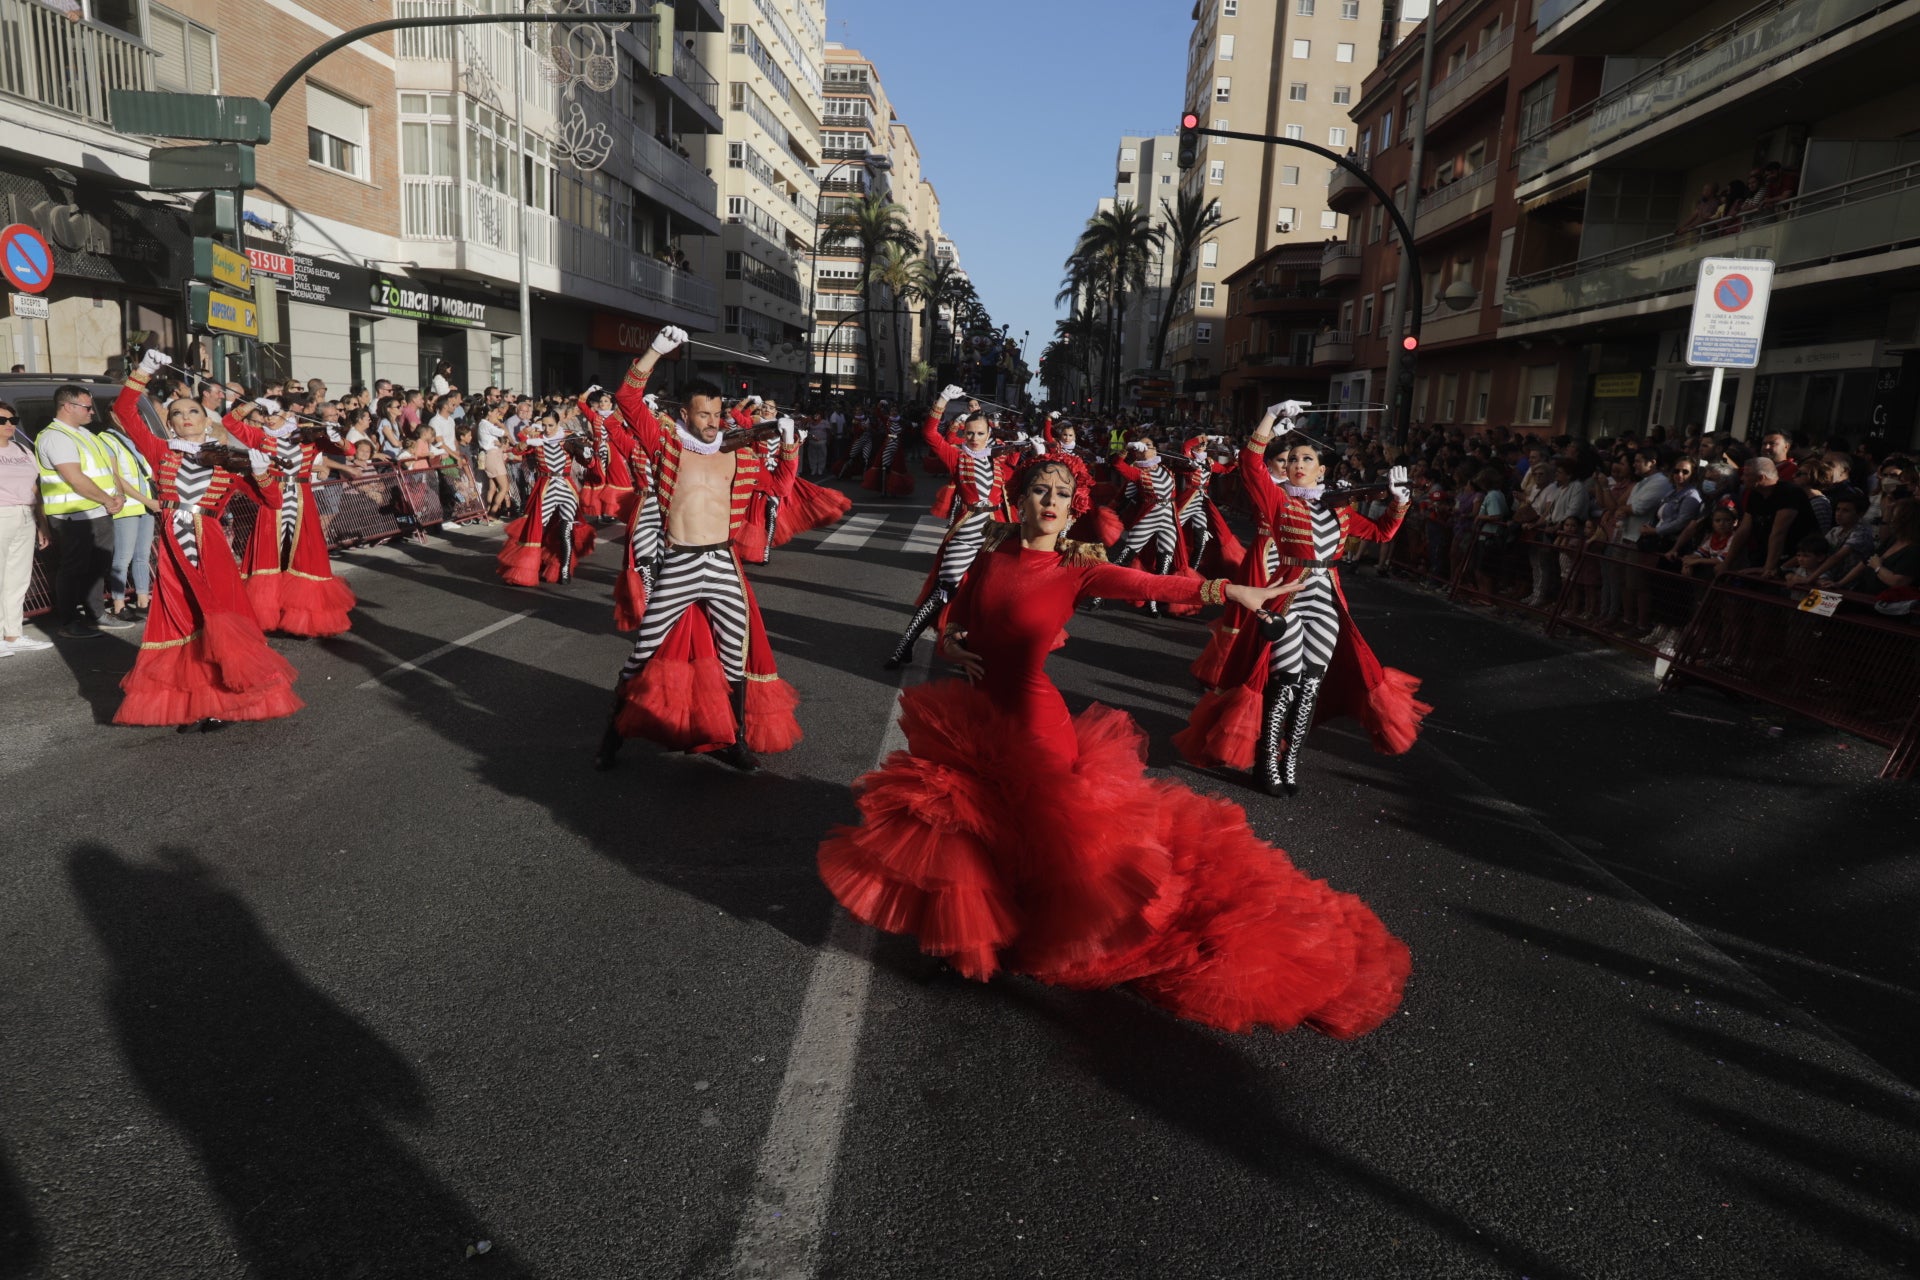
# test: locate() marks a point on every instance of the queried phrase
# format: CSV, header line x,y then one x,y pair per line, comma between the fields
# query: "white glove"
x,y
653,401
1397,486
951,393
786,431
668,340
154,361
588,394
271,405
1287,409
753,402
1054,416
1039,447
1020,437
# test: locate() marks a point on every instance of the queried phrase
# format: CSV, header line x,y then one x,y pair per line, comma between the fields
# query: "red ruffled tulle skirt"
x,y
301,604
225,670
1224,728
1102,525
530,556
898,483
1095,876
682,701
810,506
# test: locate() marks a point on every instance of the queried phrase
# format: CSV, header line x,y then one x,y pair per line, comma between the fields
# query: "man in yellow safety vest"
x,y
78,491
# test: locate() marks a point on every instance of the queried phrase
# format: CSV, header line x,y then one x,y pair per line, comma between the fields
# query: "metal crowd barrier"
x,y
388,503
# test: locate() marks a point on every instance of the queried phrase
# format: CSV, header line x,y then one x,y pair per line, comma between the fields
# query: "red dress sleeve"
x,y
246,433
1114,583
1355,525
1132,473
126,411
631,396
937,441
1258,482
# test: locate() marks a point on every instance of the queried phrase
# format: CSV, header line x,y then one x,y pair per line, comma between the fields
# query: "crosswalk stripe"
x,y
854,534
926,536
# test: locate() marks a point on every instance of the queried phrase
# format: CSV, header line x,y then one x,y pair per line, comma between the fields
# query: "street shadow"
x,y
20,1248
97,666
1201,1081
289,1101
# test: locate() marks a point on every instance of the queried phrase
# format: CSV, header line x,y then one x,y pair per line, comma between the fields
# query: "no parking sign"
x,y
25,259
1729,313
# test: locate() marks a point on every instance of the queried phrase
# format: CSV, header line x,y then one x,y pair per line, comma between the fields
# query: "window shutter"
x,y
330,113
168,36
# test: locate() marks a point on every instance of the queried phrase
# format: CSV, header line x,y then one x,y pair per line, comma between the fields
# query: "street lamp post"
x,y
813,259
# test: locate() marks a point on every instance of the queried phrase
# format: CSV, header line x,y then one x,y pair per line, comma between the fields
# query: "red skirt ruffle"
x,y
681,700
898,483
752,538
301,605
1096,876
1101,525
224,670
810,506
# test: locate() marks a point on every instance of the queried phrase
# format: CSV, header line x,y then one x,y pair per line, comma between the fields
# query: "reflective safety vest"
x,y
56,494
135,470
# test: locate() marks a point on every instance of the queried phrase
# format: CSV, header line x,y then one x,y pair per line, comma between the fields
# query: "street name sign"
x,y
204,117
1729,313
222,312
218,264
221,165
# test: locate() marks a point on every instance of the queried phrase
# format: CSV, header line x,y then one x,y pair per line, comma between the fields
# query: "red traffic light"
x,y
1410,342
1189,121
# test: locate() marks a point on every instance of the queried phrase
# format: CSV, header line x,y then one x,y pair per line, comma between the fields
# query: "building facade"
x,y
1286,68
1276,309
1789,133
1147,175
1464,224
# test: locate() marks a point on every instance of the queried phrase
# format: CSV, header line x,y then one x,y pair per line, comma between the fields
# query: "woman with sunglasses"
x,y
1012,834
23,530
203,658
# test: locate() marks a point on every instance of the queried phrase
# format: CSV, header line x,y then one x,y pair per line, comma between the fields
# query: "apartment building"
x,y
774,56
386,206
1147,175
1624,181
1276,309
1289,68
1464,226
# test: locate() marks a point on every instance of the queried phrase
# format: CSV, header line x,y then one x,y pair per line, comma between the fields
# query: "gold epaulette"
x,y
1082,553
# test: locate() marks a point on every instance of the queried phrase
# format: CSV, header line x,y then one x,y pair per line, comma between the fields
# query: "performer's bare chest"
x,y
702,508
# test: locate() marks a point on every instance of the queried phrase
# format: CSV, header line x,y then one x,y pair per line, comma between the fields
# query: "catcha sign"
x,y
326,283
623,333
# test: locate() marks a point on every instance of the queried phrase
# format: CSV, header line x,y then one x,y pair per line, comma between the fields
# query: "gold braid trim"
x,y
1082,553
1213,591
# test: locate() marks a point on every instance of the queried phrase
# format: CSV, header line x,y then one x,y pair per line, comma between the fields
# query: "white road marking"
x,y
852,535
786,1215
926,536
447,648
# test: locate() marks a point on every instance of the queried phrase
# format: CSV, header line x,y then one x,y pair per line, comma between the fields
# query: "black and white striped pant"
x,y
689,576
1155,528
558,501
961,547
1312,629
1194,514
643,540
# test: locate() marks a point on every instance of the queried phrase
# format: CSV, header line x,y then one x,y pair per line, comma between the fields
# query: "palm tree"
x,y
1083,290
870,224
1082,337
1116,247
1187,227
941,285
897,271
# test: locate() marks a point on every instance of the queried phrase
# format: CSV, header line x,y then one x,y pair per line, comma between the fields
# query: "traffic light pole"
x,y
1412,341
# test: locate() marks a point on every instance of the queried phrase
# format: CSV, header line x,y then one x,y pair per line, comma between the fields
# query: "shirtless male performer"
x,y
701,676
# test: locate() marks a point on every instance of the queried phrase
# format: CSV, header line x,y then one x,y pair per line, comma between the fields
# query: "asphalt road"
x,y
350,994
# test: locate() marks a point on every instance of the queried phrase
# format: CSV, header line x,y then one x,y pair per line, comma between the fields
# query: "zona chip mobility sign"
x,y
1729,313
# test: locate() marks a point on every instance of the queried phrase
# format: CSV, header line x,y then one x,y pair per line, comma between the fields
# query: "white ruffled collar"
x,y
691,441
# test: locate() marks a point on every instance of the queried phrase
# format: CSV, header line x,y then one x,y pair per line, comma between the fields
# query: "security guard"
x,y
78,491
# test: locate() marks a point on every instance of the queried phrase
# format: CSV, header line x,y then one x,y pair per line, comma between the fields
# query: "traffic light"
x,y
1410,342
1189,139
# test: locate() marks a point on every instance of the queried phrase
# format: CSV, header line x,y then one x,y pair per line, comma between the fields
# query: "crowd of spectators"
x,y
1724,208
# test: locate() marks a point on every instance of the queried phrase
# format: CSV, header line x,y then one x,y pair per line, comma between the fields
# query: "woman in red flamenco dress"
x,y
1268,683
544,544
1013,835
286,568
203,658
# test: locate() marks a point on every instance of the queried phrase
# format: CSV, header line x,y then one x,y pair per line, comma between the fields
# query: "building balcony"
x,y
694,87
1453,204
1834,233
699,15
1340,260
1266,298
1443,324
837,302
663,175
470,216
67,67
1721,74
1333,347
1345,189
1485,70
1569,27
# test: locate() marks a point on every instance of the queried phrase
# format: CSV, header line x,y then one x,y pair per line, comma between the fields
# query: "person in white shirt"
x,y
442,378
442,422
491,441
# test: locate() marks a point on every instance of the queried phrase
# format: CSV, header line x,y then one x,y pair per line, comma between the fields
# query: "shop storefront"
x,y
118,261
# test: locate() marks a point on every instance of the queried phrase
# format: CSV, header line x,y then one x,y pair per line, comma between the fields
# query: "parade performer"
x,y
1276,676
645,534
1013,835
701,676
867,440
1200,520
286,568
1154,527
1093,522
808,506
203,659
980,494
609,491
545,543
759,533
888,473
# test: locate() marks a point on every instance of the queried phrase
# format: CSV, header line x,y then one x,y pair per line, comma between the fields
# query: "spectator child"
x,y
1704,559
1806,567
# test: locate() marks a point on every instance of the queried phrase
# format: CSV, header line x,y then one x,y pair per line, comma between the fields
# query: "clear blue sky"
x,y
1018,107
